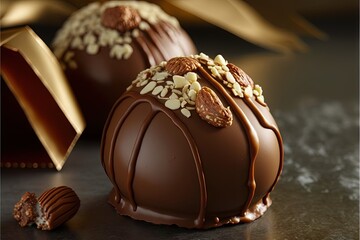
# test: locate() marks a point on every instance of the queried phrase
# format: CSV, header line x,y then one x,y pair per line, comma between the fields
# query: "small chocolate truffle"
x,y
192,143
103,47
53,208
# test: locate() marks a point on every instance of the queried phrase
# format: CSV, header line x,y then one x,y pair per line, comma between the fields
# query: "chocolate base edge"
x,y
125,208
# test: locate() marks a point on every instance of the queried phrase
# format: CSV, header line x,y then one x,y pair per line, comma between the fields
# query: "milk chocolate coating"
x,y
99,79
58,205
170,169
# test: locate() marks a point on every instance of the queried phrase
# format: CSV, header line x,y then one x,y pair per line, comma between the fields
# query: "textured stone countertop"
x,y
314,98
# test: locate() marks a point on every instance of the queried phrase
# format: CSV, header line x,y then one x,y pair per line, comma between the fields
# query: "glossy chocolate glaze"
x,y
99,80
169,169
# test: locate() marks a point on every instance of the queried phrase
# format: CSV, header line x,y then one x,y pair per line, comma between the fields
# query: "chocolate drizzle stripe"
x,y
251,134
158,43
170,32
146,50
112,147
261,103
164,34
49,195
44,197
61,212
263,121
63,218
255,210
135,154
53,198
60,204
158,107
177,36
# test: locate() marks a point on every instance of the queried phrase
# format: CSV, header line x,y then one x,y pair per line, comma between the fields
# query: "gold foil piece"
x,y
242,20
37,81
21,12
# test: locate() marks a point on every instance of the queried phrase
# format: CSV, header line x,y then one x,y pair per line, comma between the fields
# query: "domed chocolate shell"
x,y
197,150
103,46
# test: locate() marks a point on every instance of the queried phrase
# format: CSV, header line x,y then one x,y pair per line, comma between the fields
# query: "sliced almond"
x,y
148,88
219,59
186,112
157,90
195,86
160,76
248,91
173,104
179,81
230,77
191,77
164,92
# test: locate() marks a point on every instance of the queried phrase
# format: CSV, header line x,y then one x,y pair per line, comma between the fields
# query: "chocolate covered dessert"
x,y
53,208
192,142
103,47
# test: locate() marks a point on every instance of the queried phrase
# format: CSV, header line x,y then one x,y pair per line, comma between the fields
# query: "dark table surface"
x,y
314,98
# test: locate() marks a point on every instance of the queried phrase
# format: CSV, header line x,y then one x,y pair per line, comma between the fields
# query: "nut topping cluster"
x,y
176,82
179,92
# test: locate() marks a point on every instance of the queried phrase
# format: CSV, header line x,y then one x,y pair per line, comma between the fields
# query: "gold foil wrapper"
x,y
36,80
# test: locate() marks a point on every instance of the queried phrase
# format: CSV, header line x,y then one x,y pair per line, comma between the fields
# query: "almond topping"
x,y
191,77
172,104
219,59
121,18
179,81
148,88
210,108
248,91
186,112
195,86
240,76
181,65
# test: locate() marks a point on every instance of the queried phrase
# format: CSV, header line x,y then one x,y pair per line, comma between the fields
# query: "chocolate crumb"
x,y
25,210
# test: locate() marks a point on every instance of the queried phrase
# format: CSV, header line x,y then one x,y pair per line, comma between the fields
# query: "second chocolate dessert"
x,y
103,47
192,143
54,207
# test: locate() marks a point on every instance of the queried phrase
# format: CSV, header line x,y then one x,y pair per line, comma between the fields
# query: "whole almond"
x,y
121,18
240,76
210,108
181,65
